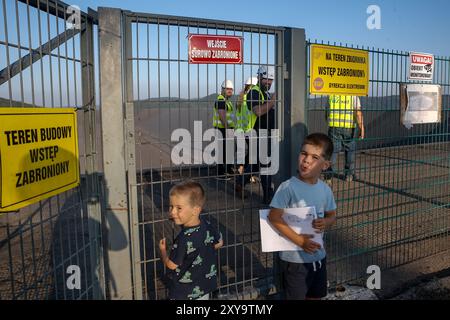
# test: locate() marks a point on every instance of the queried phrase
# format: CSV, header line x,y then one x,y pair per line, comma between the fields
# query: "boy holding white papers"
x,y
304,271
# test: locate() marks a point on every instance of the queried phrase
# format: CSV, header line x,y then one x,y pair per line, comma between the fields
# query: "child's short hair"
x,y
192,189
320,140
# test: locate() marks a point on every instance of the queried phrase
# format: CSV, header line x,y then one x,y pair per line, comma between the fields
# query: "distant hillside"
x,y
166,102
368,103
381,117
6,103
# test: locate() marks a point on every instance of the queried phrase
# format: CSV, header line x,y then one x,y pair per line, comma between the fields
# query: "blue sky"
x,y
405,26
411,25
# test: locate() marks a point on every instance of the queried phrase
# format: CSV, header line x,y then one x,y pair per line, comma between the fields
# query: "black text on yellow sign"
x,y
38,154
336,70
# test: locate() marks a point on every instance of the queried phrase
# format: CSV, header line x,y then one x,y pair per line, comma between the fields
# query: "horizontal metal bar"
x,y
393,244
38,53
202,23
183,60
373,50
58,8
410,214
13,45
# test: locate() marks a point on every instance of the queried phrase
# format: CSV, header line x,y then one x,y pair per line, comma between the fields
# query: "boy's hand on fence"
x,y
164,257
308,245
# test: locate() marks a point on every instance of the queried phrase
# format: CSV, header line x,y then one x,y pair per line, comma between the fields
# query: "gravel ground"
x,y
435,289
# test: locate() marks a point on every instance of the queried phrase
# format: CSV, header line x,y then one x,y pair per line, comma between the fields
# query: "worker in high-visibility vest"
x,y
245,121
261,104
245,118
345,123
224,118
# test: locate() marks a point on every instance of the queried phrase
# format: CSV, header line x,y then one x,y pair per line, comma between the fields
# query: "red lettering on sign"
x,y
421,59
215,49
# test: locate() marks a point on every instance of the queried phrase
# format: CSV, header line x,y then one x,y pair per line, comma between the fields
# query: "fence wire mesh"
x,y
170,94
397,209
45,64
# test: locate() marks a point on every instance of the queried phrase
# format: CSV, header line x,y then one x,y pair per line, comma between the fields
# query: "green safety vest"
x,y
217,123
342,112
246,118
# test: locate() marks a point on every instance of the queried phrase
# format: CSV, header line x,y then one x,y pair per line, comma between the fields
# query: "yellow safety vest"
x,y
246,117
342,112
217,123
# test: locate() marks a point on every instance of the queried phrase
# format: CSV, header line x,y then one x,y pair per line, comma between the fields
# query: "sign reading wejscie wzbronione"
x,y
215,49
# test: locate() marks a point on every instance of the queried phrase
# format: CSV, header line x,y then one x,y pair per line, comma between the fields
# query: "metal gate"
x,y
161,92
45,64
169,94
398,209
395,212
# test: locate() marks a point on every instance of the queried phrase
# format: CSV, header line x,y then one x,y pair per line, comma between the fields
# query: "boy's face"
x,y
311,162
182,212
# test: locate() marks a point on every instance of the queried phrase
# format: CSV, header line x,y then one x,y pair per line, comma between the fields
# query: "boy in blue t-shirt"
x,y
304,271
192,262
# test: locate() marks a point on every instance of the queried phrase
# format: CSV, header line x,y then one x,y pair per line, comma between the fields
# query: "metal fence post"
x,y
92,187
114,159
130,156
291,55
295,96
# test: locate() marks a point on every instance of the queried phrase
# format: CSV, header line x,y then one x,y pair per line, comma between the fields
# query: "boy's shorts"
x,y
304,280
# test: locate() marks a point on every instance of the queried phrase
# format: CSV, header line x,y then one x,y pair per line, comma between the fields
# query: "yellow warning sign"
x,y
337,70
38,154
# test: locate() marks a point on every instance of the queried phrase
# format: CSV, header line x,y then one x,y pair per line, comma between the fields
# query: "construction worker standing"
x,y
223,119
260,104
245,120
345,122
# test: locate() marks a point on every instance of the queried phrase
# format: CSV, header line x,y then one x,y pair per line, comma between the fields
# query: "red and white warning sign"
x,y
421,66
215,49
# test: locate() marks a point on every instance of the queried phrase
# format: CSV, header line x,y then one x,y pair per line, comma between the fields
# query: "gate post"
x,y
92,181
112,77
291,55
295,95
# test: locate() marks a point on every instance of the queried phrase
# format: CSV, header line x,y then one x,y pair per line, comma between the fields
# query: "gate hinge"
x,y
285,72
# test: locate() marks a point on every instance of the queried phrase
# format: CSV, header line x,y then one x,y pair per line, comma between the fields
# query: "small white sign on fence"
x,y
421,66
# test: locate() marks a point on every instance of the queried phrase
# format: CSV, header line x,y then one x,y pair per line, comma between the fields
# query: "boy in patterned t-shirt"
x,y
192,262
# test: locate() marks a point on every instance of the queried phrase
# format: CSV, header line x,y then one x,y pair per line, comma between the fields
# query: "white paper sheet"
x,y
299,219
422,104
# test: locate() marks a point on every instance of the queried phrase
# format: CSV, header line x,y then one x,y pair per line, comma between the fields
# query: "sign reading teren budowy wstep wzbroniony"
x,y
38,155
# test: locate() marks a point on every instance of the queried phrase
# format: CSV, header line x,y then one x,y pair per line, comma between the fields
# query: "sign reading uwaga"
x,y
421,66
38,154
215,49
336,70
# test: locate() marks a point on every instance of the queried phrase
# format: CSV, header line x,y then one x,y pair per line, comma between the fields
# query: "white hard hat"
x,y
251,81
267,72
227,84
